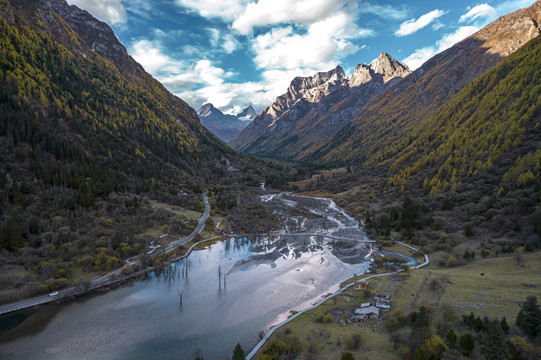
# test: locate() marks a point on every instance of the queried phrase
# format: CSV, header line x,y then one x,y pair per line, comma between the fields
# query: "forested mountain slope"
x,y
471,168
384,126
87,140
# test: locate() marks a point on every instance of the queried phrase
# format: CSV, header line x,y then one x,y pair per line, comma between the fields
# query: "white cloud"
x,y
109,11
143,8
189,75
321,47
210,74
227,42
149,55
366,33
421,55
384,11
214,36
230,44
266,12
411,26
313,35
483,10
227,96
181,77
437,25
226,9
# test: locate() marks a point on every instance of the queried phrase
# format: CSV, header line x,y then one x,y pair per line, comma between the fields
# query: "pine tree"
x,y
468,320
16,239
238,353
421,354
505,326
451,337
422,320
494,342
529,318
478,324
467,343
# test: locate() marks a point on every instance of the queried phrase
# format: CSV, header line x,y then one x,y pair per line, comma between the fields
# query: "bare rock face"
x,y
316,107
247,114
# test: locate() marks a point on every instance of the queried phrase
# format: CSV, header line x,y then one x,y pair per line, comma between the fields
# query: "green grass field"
x,y
498,292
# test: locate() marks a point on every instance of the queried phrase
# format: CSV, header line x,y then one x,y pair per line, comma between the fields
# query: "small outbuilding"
x,y
365,313
361,285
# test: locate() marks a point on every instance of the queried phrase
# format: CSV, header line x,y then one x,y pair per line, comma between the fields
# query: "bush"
x,y
324,317
280,347
391,324
467,343
355,342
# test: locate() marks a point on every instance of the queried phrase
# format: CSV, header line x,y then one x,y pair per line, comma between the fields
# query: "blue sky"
x,y
234,53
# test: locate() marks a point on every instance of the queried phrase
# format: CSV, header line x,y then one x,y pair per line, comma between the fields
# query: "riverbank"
x,y
494,287
115,277
350,284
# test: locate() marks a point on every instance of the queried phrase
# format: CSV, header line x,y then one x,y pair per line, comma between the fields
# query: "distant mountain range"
x,y
316,107
226,127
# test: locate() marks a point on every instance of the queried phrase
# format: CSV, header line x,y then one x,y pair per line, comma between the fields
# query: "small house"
x,y
365,313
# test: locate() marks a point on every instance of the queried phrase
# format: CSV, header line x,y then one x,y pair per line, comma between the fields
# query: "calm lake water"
x,y
145,321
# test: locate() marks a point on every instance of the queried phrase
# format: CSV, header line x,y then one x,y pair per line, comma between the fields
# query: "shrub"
x,y
355,342
324,317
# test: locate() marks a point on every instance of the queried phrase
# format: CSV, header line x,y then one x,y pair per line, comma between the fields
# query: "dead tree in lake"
x,y
219,276
180,297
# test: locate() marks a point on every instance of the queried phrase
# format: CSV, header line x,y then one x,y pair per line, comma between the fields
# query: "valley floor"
x,y
493,287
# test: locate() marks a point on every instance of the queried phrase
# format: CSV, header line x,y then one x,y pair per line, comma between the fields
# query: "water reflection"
x,y
230,291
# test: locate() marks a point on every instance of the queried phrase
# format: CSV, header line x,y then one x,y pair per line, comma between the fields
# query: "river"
x,y
265,278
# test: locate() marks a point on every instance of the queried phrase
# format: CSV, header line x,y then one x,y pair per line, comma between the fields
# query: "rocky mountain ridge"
x,y
382,127
224,126
316,107
247,114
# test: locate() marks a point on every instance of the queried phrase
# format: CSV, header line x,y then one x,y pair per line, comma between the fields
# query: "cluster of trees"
x,y
445,337
250,216
286,348
472,131
409,217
